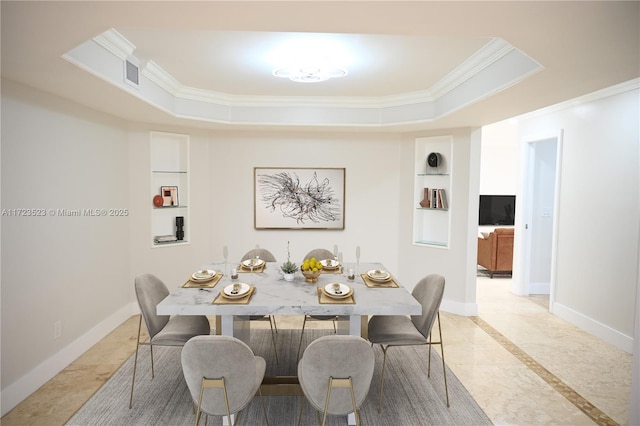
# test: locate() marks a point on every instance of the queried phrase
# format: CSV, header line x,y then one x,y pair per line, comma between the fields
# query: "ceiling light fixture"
x,y
309,60
309,74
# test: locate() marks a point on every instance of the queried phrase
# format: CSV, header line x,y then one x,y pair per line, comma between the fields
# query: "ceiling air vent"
x,y
132,71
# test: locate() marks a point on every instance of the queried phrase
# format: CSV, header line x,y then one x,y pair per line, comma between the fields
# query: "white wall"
x,y
597,260
499,158
75,270
222,198
457,263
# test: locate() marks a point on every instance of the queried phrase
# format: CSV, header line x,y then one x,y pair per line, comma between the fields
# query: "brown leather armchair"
x,y
495,251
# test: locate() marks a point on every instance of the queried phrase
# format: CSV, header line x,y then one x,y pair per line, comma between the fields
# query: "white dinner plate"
x,y
378,275
255,262
229,292
329,264
204,274
342,292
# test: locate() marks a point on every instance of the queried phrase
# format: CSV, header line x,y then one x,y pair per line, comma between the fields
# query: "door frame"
x,y
524,203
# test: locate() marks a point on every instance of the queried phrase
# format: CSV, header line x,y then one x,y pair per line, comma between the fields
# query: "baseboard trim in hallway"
x,y
593,412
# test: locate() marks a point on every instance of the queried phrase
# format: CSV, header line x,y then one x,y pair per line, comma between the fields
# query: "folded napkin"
x,y
372,283
210,283
324,298
242,268
222,300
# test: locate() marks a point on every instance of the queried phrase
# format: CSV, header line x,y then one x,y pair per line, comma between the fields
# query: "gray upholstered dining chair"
x,y
222,374
319,254
401,330
267,256
163,330
335,374
264,254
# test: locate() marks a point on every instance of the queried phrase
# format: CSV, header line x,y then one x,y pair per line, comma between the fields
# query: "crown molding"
x,y
496,66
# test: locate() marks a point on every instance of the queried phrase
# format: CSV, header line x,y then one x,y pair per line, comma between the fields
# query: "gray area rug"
x,y
410,397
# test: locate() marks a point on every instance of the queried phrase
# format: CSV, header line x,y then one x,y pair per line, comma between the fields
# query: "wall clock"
x,y
433,159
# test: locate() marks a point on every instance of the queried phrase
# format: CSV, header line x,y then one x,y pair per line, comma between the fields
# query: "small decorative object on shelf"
x,y
165,238
289,268
169,196
433,160
180,228
425,201
434,198
311,269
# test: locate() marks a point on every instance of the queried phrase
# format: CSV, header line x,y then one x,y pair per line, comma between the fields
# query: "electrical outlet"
x,y
57,329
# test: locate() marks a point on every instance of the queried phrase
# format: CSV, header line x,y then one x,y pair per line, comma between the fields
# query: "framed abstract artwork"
x,y
299,198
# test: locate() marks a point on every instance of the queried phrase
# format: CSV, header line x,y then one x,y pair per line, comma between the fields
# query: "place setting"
x,y
331,266
252,265
205,278
235,294
378,278
335,293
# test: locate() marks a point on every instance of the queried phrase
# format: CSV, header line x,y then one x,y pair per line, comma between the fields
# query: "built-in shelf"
x,y
169,168
432,192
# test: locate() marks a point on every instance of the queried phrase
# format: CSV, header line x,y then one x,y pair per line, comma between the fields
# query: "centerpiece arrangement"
x,y
311,269
289,268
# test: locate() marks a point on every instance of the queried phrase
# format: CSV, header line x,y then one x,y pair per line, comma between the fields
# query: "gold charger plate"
x,y
324,298
379,276
243,290
346,291
378,284
208,283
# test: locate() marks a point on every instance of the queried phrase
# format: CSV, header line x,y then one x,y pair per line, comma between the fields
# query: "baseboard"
x,y
594,327
30,382
459,308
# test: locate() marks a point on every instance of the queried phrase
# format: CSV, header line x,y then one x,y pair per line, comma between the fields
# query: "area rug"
x,y
410,397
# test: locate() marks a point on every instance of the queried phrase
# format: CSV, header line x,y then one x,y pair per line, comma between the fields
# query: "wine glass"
x,y
253,263
225,254
357,259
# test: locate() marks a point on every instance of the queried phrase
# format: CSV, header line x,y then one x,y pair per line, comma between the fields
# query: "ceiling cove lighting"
x,y
309,60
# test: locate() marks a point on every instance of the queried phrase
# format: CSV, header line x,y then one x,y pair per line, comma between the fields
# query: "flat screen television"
x,y
497,209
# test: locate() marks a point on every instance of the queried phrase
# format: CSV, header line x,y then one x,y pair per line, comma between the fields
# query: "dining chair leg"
x,y
264,408
304,322
275,349
444,368
384,364
301,410
153,373
429,355
272,323
135,363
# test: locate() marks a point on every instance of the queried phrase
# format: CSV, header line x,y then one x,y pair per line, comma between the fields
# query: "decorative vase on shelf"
x,y
425,201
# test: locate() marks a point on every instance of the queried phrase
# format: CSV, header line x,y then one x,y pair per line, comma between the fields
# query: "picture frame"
x,y
169,196
299,198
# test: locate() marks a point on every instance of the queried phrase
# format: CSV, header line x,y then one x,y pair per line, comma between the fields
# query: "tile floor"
x,y
523,366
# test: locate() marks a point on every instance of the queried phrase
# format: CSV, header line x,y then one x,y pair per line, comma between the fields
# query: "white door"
x,y
539,201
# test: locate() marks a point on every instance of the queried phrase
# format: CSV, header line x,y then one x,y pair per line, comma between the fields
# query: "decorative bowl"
x,y
311,276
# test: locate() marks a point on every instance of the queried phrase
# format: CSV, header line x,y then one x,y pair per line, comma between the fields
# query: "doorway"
x,y
539,201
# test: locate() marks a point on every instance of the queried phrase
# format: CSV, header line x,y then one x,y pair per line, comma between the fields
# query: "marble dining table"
x,y
275,296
